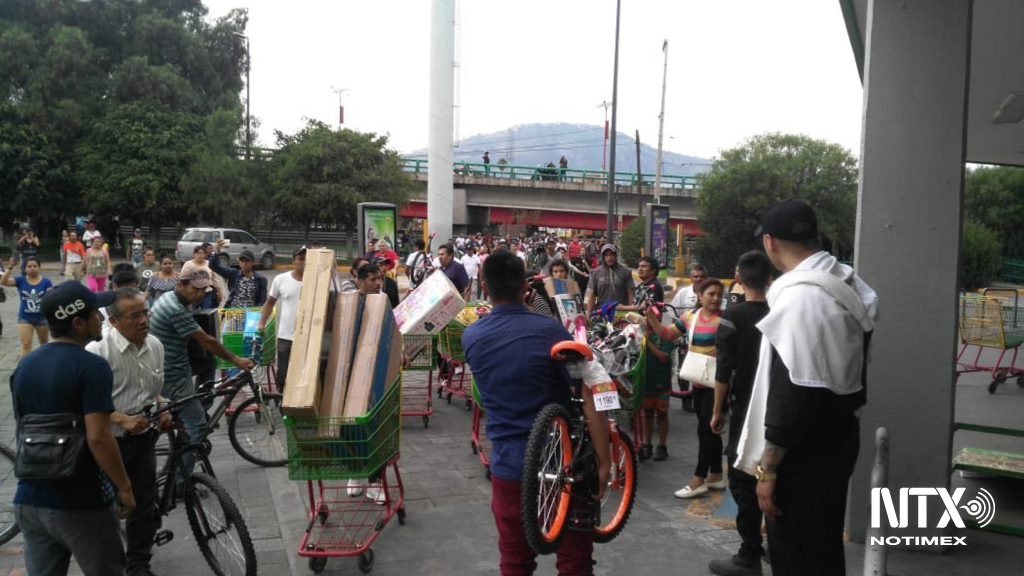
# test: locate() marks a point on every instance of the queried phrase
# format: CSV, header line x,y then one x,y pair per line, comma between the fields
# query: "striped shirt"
x,y
173,324
705,331
138,372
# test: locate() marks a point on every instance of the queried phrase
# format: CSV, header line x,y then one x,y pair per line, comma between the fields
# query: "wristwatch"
x,y
764,475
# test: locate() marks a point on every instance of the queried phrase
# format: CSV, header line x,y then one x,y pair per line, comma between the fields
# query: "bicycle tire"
x,y
546,503
208,527
248,430
620,494
8,484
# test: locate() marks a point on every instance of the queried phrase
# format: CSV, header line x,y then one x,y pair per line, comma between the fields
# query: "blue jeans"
x,y
191,415
52,536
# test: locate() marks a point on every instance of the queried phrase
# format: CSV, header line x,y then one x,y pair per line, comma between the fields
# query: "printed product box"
x,y
378,356
348,312
430,307
302,390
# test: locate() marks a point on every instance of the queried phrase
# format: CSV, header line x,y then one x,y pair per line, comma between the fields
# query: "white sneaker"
x,y
354,487
375,492
686,492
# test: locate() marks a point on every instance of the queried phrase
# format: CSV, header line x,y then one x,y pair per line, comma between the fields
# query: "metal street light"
x,y
341,109
661,127
615,114
604,151
248,121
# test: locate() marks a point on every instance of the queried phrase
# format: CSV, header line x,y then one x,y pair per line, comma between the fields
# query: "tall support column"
x,y
908,227
440,179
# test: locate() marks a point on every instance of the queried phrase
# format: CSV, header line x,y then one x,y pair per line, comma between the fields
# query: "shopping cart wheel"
x,y
1020,380
366,561
426,421
992,387
469,404
317,563
449,397
401,516
472,446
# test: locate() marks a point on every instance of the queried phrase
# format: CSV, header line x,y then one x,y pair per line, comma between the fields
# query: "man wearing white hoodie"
x,y
801,435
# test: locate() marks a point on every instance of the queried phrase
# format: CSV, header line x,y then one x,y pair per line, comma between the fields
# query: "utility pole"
x,y
639,180
661,127
615,115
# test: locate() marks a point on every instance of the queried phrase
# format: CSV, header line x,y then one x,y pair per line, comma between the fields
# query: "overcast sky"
x,y
736,68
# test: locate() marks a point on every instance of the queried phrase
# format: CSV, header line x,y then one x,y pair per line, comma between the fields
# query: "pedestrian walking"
x,y
563,165
73,258
487,163
98,266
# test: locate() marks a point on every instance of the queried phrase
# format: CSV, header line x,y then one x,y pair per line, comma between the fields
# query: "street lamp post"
x,y
248,121
661,127
341,109
615,113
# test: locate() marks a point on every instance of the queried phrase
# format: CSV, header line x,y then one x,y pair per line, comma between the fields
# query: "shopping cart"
x,y
361,455
418,382
480,444
238,334
991,321
632,386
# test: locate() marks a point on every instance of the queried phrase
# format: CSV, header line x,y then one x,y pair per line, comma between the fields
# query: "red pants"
x,y
517,558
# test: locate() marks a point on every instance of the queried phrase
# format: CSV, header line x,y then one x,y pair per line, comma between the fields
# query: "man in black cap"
x,y
609,282
73,517
246,288
801,434
285,289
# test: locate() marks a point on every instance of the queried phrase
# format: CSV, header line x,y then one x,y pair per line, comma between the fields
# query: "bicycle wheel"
x,y
256,431
621,491
8,484
220,530
545,492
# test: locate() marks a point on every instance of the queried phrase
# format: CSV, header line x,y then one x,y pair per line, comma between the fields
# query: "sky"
x,y
736,68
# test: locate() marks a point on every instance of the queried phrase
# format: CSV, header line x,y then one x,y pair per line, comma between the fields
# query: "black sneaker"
x,y
645,452
735,566
661,454
688,404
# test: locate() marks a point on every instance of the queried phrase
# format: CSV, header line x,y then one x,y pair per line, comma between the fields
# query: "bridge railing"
x,y
556,174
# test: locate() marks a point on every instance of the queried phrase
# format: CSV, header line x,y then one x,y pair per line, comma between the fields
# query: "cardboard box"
x,y
430,307
554,286
302,390
348,312
568,307
378,356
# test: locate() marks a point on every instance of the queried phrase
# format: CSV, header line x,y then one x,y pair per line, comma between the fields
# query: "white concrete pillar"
x,y
908,238
442,87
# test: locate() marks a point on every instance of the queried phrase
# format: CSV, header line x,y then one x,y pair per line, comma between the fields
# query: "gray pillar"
x,y
908,238
439,153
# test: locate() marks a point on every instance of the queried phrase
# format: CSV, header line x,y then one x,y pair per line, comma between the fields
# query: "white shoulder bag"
x,y
697,368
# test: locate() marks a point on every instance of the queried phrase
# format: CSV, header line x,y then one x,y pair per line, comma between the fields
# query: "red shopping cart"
x,y
418,381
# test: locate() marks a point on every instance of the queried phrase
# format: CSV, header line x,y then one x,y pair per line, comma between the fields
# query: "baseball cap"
x,y
70,299
789,220
300,250
197,278
611,247
247,254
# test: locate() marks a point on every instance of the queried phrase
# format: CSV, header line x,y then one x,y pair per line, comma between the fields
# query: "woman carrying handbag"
x,y
700,327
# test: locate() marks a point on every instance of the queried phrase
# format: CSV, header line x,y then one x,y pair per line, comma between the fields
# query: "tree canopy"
x,y
748,179
994,198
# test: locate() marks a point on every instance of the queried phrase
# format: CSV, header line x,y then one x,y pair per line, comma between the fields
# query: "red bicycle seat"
x,y
570,349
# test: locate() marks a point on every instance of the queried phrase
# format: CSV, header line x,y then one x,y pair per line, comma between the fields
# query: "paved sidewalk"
x,y
450,530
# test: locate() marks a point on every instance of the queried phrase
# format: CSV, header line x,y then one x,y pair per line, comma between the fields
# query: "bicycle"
x,y
560,468
220,531
8,484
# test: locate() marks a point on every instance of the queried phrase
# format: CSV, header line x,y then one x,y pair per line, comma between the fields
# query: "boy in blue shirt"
x,y
509,350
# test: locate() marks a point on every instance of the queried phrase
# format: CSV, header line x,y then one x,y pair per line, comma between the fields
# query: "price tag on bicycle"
x,y
606,396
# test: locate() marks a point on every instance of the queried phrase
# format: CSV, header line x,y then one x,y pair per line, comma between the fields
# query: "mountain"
x,y
581,144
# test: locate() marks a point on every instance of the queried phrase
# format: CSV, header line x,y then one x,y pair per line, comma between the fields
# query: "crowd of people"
x,y
792,434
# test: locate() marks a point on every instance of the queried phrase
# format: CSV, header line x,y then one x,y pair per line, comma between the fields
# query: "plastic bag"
x,y
594,373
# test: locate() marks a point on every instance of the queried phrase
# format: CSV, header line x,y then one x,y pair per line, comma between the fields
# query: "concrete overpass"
x,y
520,195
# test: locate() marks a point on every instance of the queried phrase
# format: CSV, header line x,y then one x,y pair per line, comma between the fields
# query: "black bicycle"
x,y
218,526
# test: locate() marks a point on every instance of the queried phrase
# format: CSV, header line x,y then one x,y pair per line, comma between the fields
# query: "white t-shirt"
x,y
472,264
87,236
412,258
684,300
285,290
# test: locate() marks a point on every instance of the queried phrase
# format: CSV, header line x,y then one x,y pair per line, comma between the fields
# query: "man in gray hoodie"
x,y
801,435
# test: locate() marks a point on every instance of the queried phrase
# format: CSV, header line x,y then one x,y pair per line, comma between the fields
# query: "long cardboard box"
x,y
348,312
378,357
302,390
430,307
554,286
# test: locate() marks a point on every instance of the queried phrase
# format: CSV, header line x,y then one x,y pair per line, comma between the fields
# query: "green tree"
x,y
980,255
133,160
320,174
31,172
994,198
748,179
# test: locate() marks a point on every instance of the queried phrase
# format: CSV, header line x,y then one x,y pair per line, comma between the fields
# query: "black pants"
x,y
709,453
811,493
139,456
284,352
743,487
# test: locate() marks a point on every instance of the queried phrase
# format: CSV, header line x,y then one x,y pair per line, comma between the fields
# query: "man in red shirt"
x,y
74,256
574,248
385,253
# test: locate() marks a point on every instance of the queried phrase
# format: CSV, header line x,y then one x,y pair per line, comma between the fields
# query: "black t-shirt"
x,y
643,288
738,344
60,377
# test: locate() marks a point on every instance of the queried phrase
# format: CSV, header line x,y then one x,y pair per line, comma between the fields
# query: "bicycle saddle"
x,y
571,350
